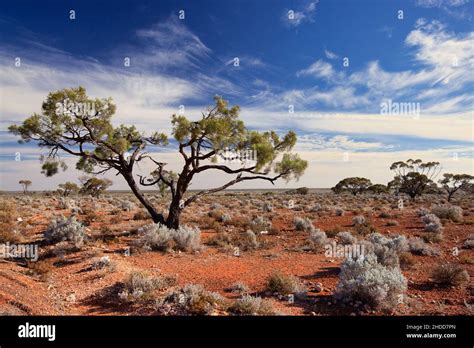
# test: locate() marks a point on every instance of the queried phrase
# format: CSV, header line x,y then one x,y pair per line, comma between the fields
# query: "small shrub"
x,y
222,239
65,229
101,262
284,284
41,269
318,239
268,207
250,305
422,212
303,224
160,237
259,224
406,261
432,223
333,231
346,238
365,279
138,285
387,249
339,212
358,220
392,223
450,274
127,206
365,228
155,237
417,246
11,236
249,241
450,212
469,242
239,288
141,215
187,238
225,218
190,300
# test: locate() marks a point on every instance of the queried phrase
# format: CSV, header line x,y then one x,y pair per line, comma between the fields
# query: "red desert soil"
x,y
72,288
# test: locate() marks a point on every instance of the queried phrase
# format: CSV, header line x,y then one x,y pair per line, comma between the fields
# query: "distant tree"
x,y
302,190
354,185
94,186
67,188
101,147
25,184
413,177
378,189
451,183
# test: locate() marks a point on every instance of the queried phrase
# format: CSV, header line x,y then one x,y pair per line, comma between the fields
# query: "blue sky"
x,y
294,61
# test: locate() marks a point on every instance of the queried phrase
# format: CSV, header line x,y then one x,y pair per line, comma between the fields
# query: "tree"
x,y
102,147
25,184
454,182
94,186
354,185
220,142
67,188
378,189
413,177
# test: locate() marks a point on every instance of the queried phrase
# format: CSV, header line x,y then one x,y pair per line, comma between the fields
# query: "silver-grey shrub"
x,y
251,305
318,239
358,220
155,237
160,237
303,224
365,279
418,246
346,237
65,229
450,212
432,223
187,238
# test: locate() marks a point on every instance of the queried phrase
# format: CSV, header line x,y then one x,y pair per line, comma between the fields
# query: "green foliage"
x,y
354,185
90,136
94,186
454,182
413,177
67,188
378,189
66,125
25,184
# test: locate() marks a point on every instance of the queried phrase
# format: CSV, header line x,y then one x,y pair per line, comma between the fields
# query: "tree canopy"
x,y
354,185
413,177
101,147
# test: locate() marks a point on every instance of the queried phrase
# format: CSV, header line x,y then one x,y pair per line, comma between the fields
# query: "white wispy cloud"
x,y
302,14
330,55
445,61
440,3
319,69
317,142
454,8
